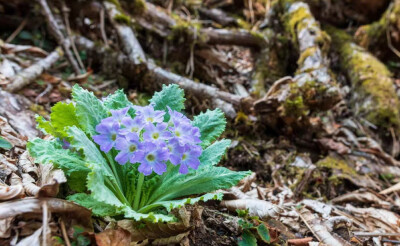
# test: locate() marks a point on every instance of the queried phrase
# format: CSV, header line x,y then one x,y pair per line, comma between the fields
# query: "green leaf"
x,y
213,153
151,217
89,110
203,180
211,124
263,232
98,208
102,190
51,152
4,144
169,205
92,155
63,115
117,100
247,239
46,127
171,96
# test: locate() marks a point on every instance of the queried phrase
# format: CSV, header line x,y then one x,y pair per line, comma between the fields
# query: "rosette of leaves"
x,y
111,189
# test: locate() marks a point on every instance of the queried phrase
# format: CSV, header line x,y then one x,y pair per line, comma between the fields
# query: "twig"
x,y
17,31
47,90
65,11
45,223
308,226
55,30
29,74
102,28
376,234
64,233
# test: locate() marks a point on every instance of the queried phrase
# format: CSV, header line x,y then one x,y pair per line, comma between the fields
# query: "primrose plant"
x,y
139,162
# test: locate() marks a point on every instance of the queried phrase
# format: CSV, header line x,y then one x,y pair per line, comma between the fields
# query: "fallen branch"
x,y
55,31
155,19
312,88
374,97
153,74
29,74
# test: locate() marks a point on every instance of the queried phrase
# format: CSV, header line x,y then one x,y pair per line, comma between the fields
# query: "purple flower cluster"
x,y
148,140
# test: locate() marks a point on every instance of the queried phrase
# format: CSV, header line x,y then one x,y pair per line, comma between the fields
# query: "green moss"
x,y
294,22
335,163
243,24
121,18
307,53
139,6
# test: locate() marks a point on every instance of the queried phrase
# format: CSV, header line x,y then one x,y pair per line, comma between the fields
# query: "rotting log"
x,y
373,97
313,87
382,37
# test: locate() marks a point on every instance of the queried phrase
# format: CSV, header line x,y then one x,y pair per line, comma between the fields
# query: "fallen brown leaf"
x,y
300,241
111,237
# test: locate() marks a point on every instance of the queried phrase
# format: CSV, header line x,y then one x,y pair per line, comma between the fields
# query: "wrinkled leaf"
x,y
211,124
171,96
89,110
117,100
213,153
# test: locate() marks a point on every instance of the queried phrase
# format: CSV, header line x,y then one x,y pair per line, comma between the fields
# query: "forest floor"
x,y
310,90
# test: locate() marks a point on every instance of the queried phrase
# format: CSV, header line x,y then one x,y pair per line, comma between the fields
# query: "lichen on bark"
x,y
313,86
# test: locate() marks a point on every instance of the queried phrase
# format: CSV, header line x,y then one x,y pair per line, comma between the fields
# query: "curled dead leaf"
x,y
27,164
10,192
262,209
29,185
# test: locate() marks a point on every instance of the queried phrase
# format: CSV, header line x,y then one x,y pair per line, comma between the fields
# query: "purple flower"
x,y
186,133
177,117
132,125
175,151
118,115
154,159
108,134
190,158
156,133
149,114
65,144
130,149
